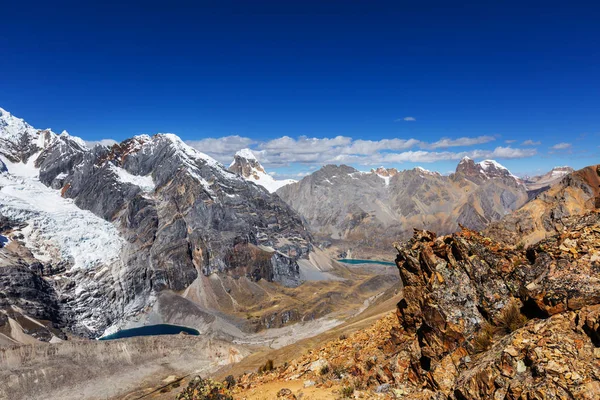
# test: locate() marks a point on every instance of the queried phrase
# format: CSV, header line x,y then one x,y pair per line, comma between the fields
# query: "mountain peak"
x,y
245,153
247,166
483,170
385,172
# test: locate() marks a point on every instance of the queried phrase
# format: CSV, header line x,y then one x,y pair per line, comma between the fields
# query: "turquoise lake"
x,y
152,330
354,261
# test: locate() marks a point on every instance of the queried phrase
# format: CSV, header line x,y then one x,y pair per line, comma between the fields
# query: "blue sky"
x,y
273,75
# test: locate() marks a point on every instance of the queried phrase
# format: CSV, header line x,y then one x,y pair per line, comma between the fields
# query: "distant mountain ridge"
x,y
572,194
342,203
547,179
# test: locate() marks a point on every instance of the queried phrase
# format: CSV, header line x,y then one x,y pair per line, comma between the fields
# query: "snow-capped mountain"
x,y
96,235
483,170
246,165
548,179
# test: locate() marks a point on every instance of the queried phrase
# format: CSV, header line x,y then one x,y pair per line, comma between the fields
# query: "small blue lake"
x,y
151,330
3,241
355,261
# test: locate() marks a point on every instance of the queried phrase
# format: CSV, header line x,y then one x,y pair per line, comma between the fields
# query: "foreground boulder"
x,y
466,297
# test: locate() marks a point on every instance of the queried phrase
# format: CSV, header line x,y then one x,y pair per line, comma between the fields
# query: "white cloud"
x,y
463,141
410,119
103,142
561,146
432,156
509,141
530,142
222,148
313,152
304,144
372,146
509,152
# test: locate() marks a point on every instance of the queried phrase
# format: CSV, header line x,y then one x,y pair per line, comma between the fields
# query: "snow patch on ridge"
x,y
386,179
146,183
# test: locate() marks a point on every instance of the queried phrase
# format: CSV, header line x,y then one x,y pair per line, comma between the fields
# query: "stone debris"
x,y
205,389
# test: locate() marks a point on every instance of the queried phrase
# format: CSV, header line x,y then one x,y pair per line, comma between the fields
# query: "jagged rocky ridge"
x,y
339,202
176,213
456,285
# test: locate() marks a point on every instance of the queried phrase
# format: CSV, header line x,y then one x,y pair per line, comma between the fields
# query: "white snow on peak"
x,y
56,228
465,158
246,153
189,151
485,164
426,171
12,128
75,139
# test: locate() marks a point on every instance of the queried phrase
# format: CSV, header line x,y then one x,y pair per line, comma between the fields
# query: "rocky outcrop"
x,y
576,194
466,297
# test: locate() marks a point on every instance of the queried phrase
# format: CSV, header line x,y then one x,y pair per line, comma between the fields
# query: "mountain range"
x,y
95,236
148,231
357,209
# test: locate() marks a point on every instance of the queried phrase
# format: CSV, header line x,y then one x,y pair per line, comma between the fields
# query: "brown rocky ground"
x,y
575,194
477,320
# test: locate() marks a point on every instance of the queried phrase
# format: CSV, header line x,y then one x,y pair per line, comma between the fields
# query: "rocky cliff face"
x,y
575,194
465,309
339,202
115,226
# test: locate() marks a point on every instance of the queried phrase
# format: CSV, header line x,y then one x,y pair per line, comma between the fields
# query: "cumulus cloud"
x,y
222,148
312,152
103,142
463,141
372,146
530,142
561,146
509,152
433,156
